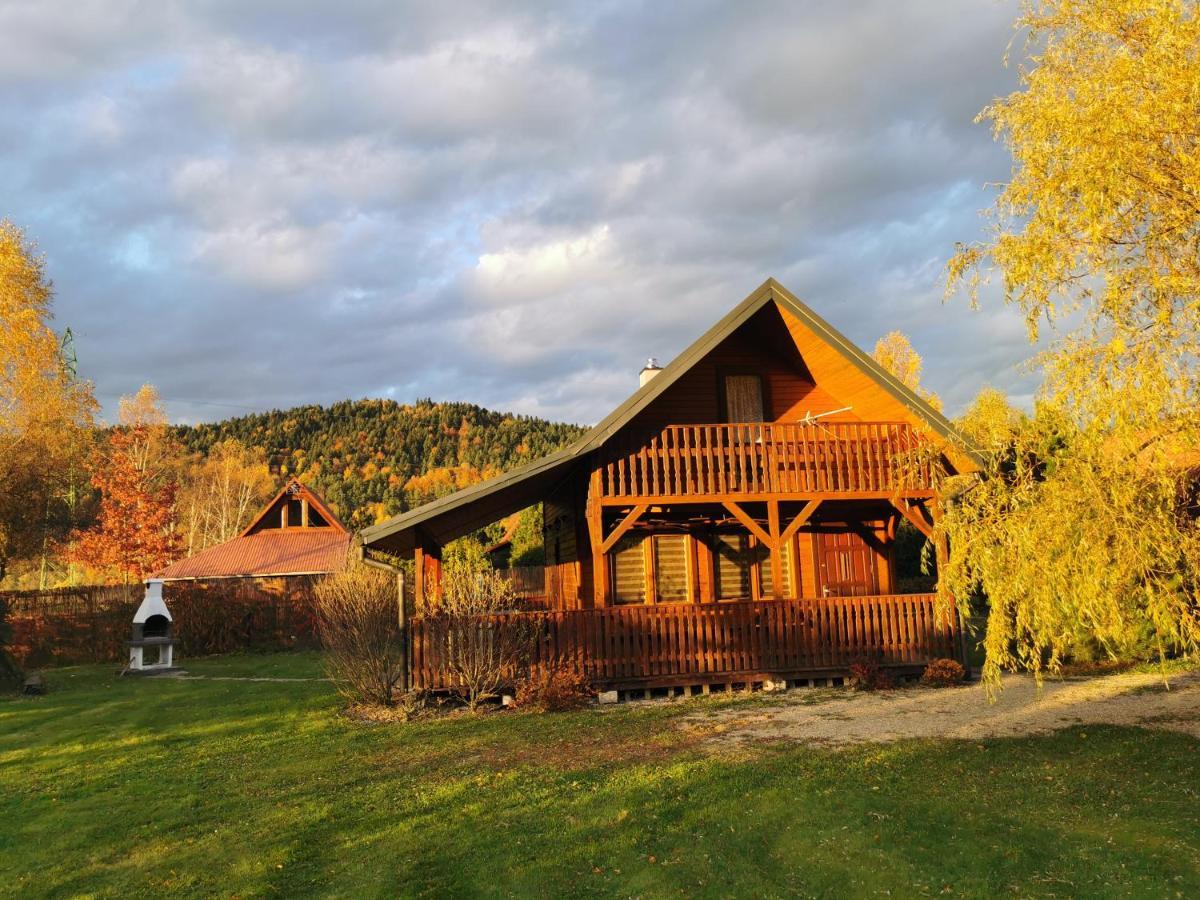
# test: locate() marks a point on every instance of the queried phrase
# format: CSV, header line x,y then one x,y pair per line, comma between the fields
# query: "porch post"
x,y
776,550
402,622
419,578
595,525
600,580
427,559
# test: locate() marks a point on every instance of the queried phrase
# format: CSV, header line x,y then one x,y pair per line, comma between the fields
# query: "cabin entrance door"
x,y
845,565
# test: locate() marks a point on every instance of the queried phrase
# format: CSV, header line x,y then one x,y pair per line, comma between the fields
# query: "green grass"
x,y
114,787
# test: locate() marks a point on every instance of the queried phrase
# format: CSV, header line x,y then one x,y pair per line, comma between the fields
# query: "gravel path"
x,y
964,712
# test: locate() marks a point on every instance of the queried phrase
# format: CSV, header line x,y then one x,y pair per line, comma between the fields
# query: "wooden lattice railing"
x,y
670,643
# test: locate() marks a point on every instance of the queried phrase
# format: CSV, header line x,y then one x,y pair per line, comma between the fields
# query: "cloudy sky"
x,y
257,205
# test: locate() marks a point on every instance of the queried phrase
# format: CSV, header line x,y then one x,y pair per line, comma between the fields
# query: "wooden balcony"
x,y
686,643
745,460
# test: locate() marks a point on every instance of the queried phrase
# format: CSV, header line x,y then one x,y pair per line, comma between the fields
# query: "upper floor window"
x,y
744,398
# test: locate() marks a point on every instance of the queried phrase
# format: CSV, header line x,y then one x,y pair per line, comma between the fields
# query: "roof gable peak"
x,y
294,489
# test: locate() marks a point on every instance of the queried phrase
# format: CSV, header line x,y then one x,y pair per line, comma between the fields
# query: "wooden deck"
x,y
851,459
684,643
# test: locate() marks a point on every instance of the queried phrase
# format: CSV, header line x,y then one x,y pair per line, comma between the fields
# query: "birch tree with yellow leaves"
x,y
45,411
1082,529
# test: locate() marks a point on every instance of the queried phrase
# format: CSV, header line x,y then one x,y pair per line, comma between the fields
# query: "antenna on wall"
x,y
809,418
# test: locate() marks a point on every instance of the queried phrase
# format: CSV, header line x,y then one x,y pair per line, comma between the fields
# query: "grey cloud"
x,y
512,204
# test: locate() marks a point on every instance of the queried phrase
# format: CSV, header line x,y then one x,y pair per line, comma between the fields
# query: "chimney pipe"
x,y
649,370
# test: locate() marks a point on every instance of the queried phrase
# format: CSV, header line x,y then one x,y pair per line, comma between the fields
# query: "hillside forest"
x,y
117,503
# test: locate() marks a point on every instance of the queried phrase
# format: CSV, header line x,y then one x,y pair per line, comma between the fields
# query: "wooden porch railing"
x,y
672,643
763,458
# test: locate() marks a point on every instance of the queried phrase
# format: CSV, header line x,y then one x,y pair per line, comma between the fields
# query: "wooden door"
x,y
845,565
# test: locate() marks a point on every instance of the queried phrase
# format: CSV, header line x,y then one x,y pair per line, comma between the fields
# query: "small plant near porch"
x,y
359,624
555,687
868,675
943,673
481,648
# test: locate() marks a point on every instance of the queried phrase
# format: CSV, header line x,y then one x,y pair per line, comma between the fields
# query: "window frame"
x,y
724,372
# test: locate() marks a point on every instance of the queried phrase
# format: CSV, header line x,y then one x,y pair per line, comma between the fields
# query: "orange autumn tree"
x,y
134,534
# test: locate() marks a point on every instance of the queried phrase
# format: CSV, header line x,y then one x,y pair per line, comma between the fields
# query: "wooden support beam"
x,y
776,550
753,527
623,526
801,519
427,559
600,588
419,579
912,513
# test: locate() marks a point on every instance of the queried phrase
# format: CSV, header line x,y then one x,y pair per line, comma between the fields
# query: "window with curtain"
x,y
765,577
732,559
744,398
670,568
629,570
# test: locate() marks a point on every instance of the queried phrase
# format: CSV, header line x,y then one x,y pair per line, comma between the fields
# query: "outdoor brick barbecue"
x,y
151,646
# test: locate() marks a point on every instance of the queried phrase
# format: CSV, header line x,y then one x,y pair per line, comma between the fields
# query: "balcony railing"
x,y
767,458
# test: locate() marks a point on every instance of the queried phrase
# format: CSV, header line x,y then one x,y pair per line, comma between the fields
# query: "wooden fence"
x,y
677,643
68,626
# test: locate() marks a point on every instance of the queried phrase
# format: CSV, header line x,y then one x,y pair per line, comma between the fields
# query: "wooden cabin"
x,y
733,520
293,539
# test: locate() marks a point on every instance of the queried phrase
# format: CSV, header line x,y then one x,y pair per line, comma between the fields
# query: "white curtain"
x,y
743,398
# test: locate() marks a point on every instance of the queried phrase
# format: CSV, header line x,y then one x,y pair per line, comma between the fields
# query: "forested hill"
x,y
374,458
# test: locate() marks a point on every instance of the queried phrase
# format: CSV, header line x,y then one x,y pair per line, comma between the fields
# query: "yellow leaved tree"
x,y
894,351
45,411
1082,529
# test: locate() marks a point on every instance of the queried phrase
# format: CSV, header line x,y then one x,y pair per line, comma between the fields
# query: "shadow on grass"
x,y
261,788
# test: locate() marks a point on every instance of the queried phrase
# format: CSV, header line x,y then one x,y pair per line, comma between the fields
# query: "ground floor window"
x,y
662,568
766,576
629,569
732,563
670,568
742,568
651,568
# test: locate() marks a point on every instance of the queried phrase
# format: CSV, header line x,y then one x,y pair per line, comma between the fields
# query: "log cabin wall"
x,y
762,347
567,584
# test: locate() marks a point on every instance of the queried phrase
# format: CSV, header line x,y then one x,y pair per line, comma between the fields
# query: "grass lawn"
x,y
115,787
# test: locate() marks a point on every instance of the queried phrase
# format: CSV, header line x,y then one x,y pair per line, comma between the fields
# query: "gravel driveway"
x,y
963,712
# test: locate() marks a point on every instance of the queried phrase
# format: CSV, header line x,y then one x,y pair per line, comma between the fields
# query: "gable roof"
x,y
266,551
451,516
295,490
276,551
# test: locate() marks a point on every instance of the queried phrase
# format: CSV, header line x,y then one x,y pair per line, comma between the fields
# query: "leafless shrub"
x,y
358,620
867,675
556,686
483,647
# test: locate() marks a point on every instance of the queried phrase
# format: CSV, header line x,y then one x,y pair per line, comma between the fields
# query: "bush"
x,y
359,624
867,675
482,648
556,687
943,673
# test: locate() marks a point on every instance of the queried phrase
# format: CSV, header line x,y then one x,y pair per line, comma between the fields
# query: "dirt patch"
x,y
1136,699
